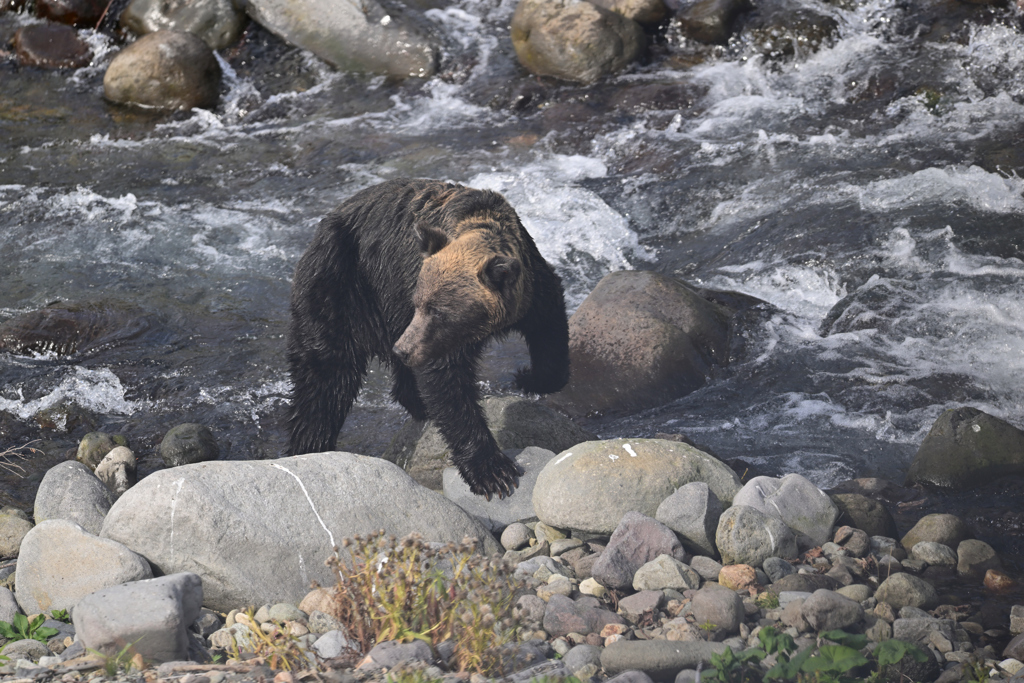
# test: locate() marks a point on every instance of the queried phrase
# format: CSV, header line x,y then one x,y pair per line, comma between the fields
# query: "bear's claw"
x,y
499,476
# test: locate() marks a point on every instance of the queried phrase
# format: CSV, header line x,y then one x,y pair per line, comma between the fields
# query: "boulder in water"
x,y
711,21
639,340
65,328
965,448
164,70
218,22
353,35
781,28
644,12
81,13
574,40
51,46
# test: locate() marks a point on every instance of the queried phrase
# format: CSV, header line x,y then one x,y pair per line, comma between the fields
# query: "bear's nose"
x,y
403,354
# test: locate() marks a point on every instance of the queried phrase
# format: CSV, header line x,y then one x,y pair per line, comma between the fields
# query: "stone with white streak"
x,y
259,531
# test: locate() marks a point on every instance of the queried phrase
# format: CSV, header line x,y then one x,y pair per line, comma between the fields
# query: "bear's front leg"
x,y
545,328
449,391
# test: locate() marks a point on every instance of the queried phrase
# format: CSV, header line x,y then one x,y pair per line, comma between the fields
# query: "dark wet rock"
x,y
71,491
563,616
12,5
693,512
592,485
637,540
901,590
974,558
574,41
711,21
966,447
94,446
218,22
641,339
644,12
826,610
659,659
69,328
866,514
187,444
875,488
293,509
363,37
782,28
164,70
60,563
776,568
153,615
939,528
14,524
81,13
718,606
515,422
748,536
803,583
118,471
51,46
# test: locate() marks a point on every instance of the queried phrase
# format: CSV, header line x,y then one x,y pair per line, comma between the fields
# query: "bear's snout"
x,y
411,346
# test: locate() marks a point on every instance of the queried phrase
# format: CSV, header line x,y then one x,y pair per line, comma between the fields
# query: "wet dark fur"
x,y
352,299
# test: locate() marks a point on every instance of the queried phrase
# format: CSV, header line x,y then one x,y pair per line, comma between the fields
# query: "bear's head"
x,y
468,288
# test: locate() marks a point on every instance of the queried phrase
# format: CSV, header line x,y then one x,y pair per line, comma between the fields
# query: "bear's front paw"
x,y
540,382
491,475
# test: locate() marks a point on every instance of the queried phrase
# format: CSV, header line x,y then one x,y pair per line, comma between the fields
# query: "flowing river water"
x,y
870,192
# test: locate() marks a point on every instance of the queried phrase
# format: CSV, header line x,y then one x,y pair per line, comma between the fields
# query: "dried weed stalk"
x,y
408,589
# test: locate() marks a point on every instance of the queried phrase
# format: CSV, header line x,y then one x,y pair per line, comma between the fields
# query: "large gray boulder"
x,y
350,35
515,422
592,485
574,40
746,535
71,491
794,500
153,615
61,563
164,70
259,531
498,513
639,340
218,23
966,447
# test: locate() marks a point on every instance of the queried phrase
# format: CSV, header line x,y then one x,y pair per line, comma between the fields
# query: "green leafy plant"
x,y
60,615
126,659
406,590
20,628
767,600
837,661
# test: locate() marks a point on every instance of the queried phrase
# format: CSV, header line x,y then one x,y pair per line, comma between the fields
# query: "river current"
x,y
869,192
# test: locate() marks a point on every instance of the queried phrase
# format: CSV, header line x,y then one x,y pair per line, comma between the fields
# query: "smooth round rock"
x,y
826,610
187,444
164,70
219,23
80,13
574,41
974,558
939,528
720,607
902,590
590,486
515,536
748,536
933,554
51,46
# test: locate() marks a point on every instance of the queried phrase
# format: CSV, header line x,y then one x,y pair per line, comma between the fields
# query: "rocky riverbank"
x,y
634,559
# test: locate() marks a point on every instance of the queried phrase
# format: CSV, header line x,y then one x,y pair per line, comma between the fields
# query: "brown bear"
x,y
421,274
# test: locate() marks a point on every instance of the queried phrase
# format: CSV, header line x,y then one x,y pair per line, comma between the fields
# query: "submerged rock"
x,y
591,486
641,339
164,70
782,28
259,531
51,46
353,36
81,13
966,447
68,328
711,21
187,444
644,12
574,40
218,22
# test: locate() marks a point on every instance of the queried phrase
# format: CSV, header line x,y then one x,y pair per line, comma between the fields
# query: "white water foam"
x,y
97,390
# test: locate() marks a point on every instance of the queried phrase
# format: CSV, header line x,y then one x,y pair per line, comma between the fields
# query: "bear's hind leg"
x,y
324,389
405,391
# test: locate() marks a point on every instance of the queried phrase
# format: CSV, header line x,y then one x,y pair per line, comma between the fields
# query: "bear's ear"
x,y
501,271
432,240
